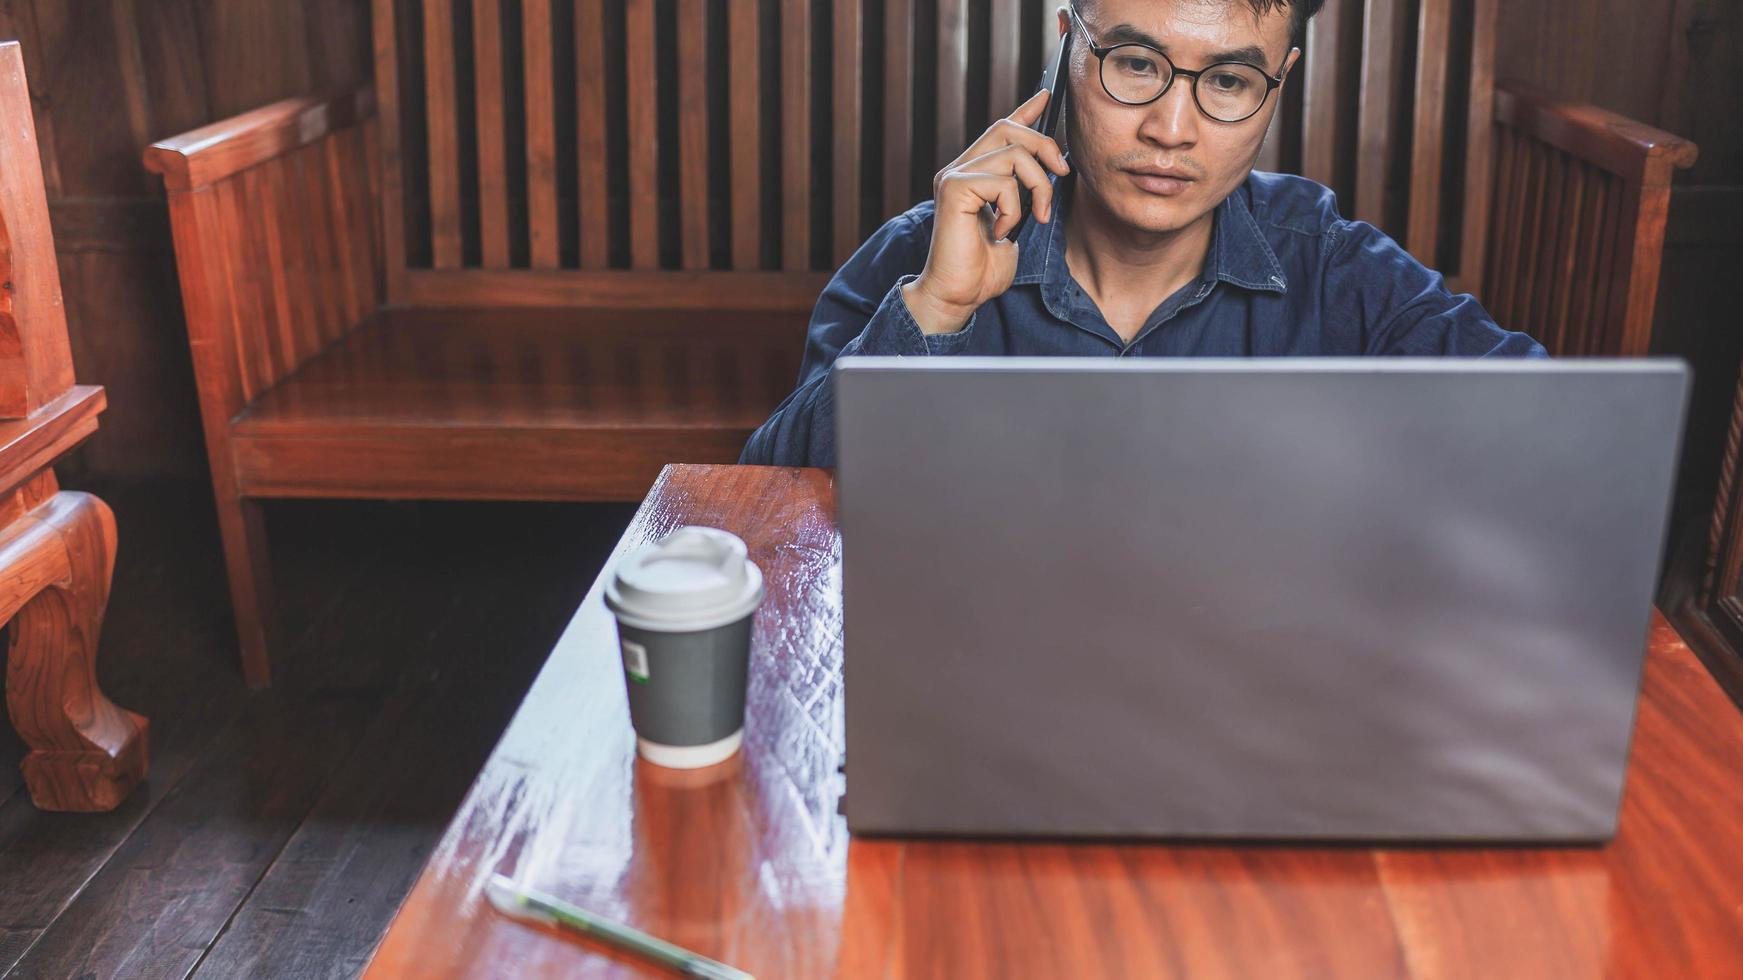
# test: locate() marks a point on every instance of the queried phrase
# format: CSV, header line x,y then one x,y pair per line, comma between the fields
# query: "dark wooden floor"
x,y
279,830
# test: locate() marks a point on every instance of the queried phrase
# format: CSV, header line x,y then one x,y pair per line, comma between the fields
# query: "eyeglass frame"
x,y
1174,71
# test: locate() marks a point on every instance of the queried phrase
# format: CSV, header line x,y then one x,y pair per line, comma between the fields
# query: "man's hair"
x,y
1300,11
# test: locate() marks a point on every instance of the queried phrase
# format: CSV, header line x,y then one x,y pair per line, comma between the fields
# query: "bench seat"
x,y
525,404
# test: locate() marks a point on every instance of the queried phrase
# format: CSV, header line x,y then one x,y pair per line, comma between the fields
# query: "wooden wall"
x,y
1677,64
108,77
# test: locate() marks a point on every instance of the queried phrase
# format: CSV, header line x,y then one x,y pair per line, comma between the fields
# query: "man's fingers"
x,y
967,193
1029,113
1018,161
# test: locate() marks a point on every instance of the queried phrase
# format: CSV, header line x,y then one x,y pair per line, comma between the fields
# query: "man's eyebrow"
x,y
1252,54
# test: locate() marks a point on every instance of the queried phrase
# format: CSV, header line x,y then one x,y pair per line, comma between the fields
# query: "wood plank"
x,y
1586,271
1558,323
1382,36
1427,142
796,92
442,115
541,133
590,133
322,906
492,151
952,92
898,105
693,132
746,42
164,585
1479,138
159,901
1006,88
1321,115
644,137
391,166
617,288
849,97
1093,910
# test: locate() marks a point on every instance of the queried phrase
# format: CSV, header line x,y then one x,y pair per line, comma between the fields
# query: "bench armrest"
x,y
1632,150
213,152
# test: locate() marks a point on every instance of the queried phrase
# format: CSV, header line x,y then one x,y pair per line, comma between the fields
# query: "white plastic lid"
x,y
695,578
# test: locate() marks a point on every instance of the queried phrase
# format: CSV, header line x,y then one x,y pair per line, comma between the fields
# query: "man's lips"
x,y
1161,182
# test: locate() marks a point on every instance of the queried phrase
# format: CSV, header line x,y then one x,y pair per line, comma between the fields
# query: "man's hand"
x,y
969,262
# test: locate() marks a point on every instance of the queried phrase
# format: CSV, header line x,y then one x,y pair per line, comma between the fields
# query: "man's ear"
x,y
1289,62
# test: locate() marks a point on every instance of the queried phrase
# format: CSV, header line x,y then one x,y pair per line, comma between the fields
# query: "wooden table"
x,y
748,861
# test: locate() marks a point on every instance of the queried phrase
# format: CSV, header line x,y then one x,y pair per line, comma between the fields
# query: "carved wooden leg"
x,y
86,753
242,524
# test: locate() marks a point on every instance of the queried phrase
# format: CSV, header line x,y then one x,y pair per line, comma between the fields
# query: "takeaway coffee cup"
x,y
684,606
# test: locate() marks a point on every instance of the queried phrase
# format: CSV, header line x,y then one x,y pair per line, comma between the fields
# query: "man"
x,y
1153,238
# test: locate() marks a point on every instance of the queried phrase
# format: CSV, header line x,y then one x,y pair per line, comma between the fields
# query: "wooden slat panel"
x,y
644,137
898,104
541,134
1479,135
1585,268
1574,231
1320,109
1007,87
693,131
1548,245
747,189
492,151
1427,143
1490,285
270,334
316,242
849,36
1613,262
337,155
795,134
444,134
952,79
590,133
234,223
1535,215
392,175
1509,233
1380,82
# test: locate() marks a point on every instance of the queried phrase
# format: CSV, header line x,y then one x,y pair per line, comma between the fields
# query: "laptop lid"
x,y
1363,599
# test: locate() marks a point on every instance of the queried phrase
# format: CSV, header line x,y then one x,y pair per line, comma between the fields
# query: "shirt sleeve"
x,y
861,312
1404,307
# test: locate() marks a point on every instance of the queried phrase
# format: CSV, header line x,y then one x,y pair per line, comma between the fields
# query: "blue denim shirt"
x,y
1285,277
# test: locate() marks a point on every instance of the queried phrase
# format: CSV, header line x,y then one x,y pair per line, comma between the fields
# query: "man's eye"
x,y
1136,66
1227,81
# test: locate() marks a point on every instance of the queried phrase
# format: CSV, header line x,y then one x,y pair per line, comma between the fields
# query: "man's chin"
x,y
1161,217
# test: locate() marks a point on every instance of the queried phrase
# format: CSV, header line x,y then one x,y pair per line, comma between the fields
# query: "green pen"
x,y
527,903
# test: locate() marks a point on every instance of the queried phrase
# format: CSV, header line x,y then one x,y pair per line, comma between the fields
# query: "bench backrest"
x,y
716,153
36,361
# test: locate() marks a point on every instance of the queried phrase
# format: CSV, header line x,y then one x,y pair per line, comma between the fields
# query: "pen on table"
x,y
528,903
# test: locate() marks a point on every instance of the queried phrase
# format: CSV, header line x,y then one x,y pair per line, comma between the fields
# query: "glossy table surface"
x,y
749,863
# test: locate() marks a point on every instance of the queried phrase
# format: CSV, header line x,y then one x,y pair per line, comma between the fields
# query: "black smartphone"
x,y
1052,118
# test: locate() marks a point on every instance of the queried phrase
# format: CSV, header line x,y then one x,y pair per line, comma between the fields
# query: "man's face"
x,y
1109,140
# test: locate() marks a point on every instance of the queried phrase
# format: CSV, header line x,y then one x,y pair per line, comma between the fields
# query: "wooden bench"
x,y
57,547
558,245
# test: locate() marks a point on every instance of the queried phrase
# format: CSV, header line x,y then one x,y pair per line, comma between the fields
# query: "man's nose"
x,y
1173,119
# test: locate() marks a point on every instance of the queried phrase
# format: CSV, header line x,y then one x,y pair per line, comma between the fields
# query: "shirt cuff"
x,y
893,331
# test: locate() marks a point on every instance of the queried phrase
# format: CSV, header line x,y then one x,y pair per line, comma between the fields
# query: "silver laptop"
x,y
1298,599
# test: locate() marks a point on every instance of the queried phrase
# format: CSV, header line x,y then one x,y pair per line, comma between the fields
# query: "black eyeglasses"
x,y
1138,74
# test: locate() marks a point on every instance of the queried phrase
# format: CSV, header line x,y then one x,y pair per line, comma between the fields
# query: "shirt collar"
x,y
1239,254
